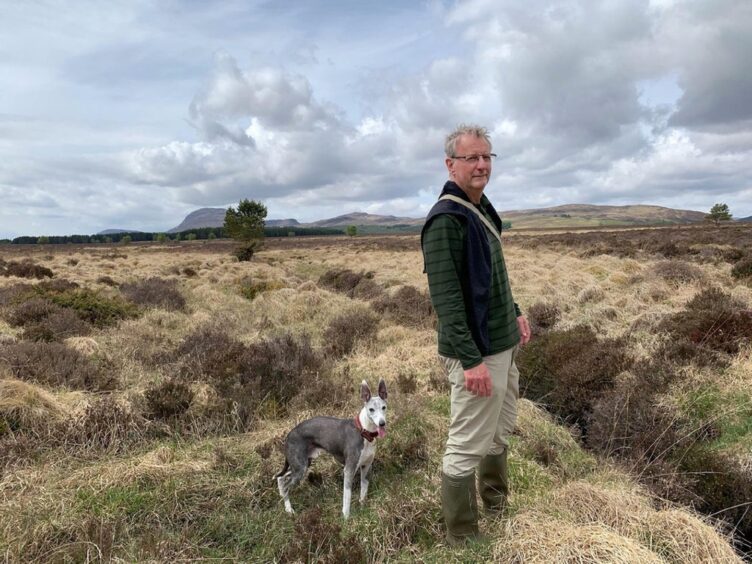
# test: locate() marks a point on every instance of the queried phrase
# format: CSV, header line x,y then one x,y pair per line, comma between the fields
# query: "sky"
x,y
130,115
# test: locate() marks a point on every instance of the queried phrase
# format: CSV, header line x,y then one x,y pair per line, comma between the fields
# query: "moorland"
x,y
146,389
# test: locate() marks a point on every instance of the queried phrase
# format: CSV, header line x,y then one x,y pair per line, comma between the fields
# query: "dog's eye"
x,y
384,408
371,410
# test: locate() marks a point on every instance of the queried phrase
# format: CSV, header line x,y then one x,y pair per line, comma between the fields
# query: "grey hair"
x,y
450,144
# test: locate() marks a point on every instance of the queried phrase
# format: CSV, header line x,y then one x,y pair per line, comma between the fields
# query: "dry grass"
x,y
535,539
120,489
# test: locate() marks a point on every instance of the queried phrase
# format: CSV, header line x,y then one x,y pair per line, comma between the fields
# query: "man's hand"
x,y
478,380
524,328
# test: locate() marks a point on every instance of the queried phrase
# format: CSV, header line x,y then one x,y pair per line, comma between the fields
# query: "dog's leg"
x,y
288,482
284,491
364,482
347,490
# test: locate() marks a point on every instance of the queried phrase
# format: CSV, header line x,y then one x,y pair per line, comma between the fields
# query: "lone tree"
x,y
718,213
246,225
352,230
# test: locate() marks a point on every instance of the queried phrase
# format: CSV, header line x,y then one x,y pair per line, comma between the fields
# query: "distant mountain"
x,y
567,216
283,223
204,217
359,218
114,231
215,217
585,215
747,219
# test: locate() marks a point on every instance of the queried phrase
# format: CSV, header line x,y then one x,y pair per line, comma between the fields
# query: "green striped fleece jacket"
x,y
443,244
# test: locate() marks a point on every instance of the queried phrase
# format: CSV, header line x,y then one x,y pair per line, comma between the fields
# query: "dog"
x,y
350,441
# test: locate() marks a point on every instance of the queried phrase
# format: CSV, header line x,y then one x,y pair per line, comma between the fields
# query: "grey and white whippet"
x,y
350,441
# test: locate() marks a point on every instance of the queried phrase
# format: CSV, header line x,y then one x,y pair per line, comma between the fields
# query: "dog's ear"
x,y
365,391
382,389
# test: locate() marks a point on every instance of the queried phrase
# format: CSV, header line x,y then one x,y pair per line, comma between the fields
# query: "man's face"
x,y
471,177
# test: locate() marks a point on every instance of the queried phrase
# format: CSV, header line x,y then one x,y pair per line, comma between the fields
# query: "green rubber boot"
x,y
460,508
493,482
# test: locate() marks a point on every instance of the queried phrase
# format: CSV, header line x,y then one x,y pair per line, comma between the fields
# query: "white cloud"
x,y
615,102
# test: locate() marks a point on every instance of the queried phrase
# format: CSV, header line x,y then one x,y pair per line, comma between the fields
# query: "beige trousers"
x,y
480,425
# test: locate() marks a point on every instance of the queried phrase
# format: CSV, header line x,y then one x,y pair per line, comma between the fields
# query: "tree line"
x,y
204,233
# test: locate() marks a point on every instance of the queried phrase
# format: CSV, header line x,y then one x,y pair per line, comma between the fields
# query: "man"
x,y
479,329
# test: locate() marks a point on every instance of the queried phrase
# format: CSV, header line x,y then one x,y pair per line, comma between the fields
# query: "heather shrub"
x,y
408,306
542,317
743,269
190,272
723,485
93,307
677,272
31,311
58,326
106,280
354,285
348,329
712,322
15,293
325,392
733,254
282,366
54,364
25,269
56,285
45,321
267,374
568,370
168,399
209,353
155,292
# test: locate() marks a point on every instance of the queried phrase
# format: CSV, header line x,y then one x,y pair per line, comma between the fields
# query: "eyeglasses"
x,y
473,159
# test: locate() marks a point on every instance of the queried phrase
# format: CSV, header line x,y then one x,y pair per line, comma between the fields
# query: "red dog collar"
x,y
365,433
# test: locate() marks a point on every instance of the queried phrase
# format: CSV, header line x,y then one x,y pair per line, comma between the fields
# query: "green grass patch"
x,y
726,414
92,306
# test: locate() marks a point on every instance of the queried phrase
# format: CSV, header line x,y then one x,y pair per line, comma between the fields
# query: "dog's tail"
x,y
283,471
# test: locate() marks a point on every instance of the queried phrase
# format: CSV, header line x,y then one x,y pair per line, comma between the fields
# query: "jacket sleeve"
x,y
443,244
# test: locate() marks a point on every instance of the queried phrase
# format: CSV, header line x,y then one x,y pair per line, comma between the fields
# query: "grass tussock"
x,y
348,329
250,287
540,539
155,292
407,306
583,522
353,284
677,272
26,407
